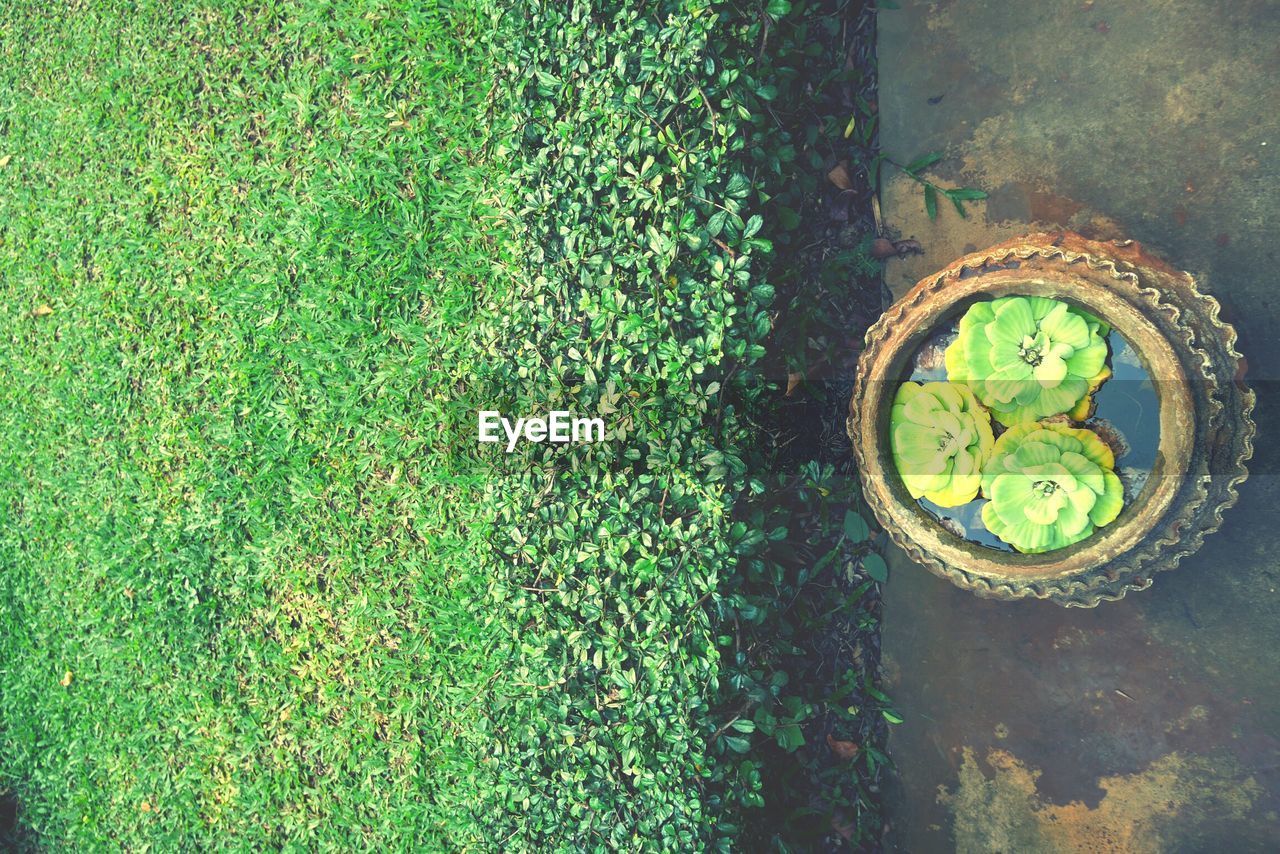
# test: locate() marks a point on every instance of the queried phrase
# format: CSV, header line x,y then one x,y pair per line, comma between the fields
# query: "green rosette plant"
x,y
1027,358
1049,485
940,437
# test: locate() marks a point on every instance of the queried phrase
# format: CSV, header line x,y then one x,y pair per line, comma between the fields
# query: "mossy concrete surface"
x,y
1150,724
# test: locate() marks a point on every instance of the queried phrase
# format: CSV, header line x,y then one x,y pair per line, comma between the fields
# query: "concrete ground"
x,y
1150,724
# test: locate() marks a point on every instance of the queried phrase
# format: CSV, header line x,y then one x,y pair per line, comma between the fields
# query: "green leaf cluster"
x,y
956,195
941,438
1027,358
1018,360
638,181
1049,485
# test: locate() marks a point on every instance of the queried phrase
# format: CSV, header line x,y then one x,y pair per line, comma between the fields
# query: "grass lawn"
x,y
260,265
237,245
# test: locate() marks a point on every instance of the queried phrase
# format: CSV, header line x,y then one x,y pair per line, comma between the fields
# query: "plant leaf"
x,y
855,527
923,162
931,201
739,186
844,750
789,737
840,176
875,567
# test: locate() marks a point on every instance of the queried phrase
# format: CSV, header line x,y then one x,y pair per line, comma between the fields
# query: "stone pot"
x,y
1206,432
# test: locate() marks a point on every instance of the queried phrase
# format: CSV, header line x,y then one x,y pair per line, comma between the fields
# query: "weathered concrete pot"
x,y
1206,432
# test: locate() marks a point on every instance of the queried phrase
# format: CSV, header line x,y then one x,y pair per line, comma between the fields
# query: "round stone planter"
x,y
1206,432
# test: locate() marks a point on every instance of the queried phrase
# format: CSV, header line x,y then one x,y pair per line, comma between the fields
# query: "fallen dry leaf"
x,y
146,806
65,681
882,248
844,750
840,176
4,161
793,380
42,311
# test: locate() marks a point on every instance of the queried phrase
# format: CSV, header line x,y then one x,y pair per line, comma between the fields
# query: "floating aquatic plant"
x,y
1049,485
1028,358
940,437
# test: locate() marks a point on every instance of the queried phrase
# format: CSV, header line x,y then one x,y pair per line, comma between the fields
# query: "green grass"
x,y
260,264
259,230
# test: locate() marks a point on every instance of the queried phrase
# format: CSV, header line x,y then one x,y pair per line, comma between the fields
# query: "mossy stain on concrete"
x,y
998,807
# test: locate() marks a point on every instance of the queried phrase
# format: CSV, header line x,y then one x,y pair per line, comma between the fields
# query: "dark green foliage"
x,y
803,668
801,617
659,591
636,298
957,195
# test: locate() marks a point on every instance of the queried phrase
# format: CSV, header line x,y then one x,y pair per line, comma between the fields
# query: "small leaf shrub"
x,y
636,295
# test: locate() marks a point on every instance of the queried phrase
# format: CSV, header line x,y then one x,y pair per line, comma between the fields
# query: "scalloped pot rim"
x,y
1206,429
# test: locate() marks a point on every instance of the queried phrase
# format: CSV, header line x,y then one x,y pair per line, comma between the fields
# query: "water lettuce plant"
x,y
1027,358
1049,485
940,438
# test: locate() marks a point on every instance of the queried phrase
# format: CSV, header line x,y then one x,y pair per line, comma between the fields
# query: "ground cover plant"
x,y
722,694
642,299
261,267
805,624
